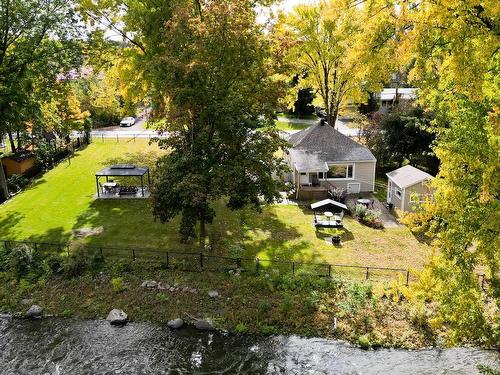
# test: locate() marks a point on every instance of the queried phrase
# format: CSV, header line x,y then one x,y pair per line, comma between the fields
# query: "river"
x,y
67,346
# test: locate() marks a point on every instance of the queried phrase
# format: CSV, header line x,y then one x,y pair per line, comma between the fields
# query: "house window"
x,y
398,193
340,171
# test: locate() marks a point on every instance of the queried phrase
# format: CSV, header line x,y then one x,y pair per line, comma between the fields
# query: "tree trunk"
x,y
11,141
3,182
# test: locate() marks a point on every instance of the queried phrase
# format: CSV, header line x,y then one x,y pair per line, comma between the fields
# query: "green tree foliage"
x,y
38,42
343,48
217,88
402,136
209,72
455,49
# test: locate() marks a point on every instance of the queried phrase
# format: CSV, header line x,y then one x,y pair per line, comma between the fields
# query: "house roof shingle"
x,y
408,176
329,144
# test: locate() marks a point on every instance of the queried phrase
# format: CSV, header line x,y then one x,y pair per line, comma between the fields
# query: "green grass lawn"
x,y
288,126
61,204
292,116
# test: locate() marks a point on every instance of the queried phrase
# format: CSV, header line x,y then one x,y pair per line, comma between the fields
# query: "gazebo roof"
x,y
122,170
327,202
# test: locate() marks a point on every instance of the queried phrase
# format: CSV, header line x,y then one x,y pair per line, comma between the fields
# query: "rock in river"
x,y
204,325
117,317
176,323
34,311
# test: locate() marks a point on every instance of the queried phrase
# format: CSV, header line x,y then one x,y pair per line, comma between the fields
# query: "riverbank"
x,y
364,314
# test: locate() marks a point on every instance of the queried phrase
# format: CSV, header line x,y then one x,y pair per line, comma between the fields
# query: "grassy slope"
x,y
62,201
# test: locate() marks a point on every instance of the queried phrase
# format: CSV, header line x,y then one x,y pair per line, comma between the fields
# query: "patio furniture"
x,y
125,171
110,187
364,201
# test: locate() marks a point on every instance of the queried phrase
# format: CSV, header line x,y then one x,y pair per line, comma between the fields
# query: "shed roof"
x,y
408,176
122,170
326,202
329,145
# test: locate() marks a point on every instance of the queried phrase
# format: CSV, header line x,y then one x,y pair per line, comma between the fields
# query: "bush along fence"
x,y
197,262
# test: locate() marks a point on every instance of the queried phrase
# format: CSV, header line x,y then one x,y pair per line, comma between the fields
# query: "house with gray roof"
x,y
408,187
321,158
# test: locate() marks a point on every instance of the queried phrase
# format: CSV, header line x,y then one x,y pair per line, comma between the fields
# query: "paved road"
x,y
139,130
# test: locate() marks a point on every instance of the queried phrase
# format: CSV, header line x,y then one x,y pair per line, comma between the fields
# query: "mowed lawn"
x,y
61,206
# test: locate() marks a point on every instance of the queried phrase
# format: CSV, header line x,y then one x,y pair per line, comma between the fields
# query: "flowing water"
x,y
66,346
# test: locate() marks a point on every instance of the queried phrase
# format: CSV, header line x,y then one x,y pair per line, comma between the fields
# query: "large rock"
x,y
213,293
176,323
204,325
34,311
117,317
149,284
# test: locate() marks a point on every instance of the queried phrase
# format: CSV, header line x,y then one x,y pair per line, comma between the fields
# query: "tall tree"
x,y
37,41
209,72
455,45
404,135
342,47
216,87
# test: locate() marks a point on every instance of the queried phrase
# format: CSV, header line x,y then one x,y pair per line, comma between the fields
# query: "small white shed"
x,y
407,187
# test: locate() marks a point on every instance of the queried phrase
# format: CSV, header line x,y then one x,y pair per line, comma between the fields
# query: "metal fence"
x,y
188,261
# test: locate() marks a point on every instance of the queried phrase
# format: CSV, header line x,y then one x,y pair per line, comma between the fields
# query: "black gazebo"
x,y
123,170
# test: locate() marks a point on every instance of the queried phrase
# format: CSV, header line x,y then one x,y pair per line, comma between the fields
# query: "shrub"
x,y
22,261
122,266
287,303
54,264
358,295
360,210
241,328
117,284
312,301
339,194
17,182
267,329
162,297
265,305
75,265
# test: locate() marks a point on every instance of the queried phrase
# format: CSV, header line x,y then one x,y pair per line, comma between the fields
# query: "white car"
x,y
127,121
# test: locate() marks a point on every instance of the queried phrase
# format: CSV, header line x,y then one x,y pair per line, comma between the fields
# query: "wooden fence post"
x,y
257,264
367,274
407,277
133,254
293,268
201,260
100,251
329,270
238,263
168,260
